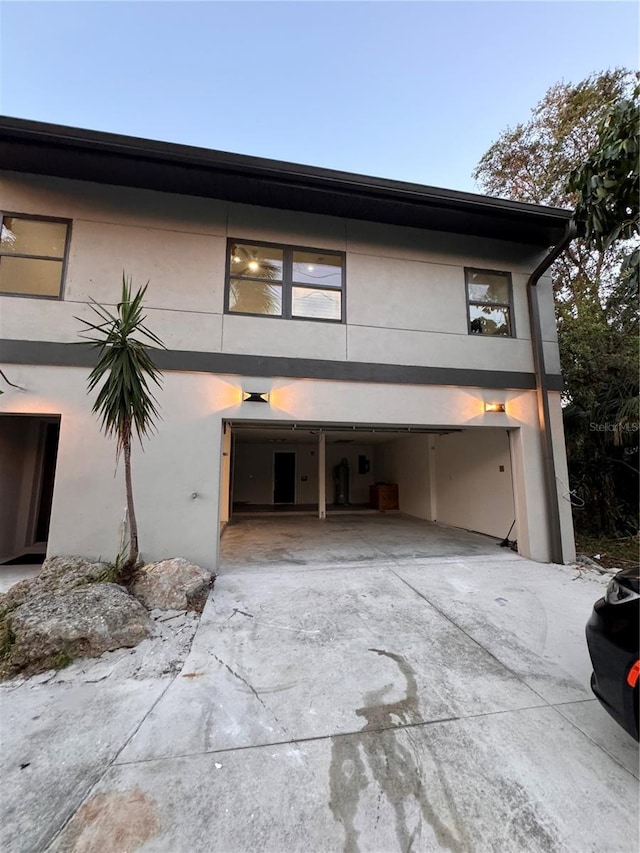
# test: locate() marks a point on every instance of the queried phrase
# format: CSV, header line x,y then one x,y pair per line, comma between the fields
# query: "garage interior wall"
x,y
253,474
473,481
405,461
462,479
358,483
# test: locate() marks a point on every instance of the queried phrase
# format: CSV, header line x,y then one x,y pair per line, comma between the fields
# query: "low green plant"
x,y
60,659
120,571
7,638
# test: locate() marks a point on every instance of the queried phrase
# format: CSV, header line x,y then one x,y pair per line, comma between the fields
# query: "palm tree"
x,y
125,402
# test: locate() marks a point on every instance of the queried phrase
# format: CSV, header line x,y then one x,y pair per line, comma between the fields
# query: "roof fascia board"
x,y
288,176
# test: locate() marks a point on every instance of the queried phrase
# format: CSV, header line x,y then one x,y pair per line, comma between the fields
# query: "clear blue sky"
x,y
415,91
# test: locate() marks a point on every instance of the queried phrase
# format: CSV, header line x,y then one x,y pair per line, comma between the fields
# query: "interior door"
x,y
284,477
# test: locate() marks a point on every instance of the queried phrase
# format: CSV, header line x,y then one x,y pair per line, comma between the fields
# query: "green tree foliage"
x,y
579,149
125,403
606,182
602,346
532,161
607,186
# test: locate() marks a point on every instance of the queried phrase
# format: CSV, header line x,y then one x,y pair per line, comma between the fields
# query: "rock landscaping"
x,y
172,585
73,609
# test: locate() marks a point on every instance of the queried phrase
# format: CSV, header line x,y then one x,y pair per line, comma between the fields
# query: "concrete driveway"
x,y
389,702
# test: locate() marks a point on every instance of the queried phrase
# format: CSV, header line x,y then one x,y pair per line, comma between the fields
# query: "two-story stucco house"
x,y
309,316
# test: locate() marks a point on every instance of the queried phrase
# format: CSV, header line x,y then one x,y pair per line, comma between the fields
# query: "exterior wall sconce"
x,y
494,407
255,397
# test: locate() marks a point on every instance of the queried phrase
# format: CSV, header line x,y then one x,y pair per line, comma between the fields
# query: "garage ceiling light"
x,y
494,407
255,397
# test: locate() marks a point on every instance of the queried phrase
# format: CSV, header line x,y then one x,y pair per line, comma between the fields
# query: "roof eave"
x,y
66,152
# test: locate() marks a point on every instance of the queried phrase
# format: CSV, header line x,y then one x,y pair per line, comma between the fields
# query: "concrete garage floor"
x,y
371,702
262,542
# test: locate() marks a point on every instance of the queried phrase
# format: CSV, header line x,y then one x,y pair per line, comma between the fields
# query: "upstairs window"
x,y
285,281
489,303
33,252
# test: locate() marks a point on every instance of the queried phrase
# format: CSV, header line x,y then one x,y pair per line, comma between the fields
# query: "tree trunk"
x,y
132,557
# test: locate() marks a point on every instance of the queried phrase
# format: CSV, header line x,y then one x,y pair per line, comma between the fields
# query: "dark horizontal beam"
x,y
81,355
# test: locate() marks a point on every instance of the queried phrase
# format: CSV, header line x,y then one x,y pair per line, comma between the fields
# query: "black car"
x,y
613,640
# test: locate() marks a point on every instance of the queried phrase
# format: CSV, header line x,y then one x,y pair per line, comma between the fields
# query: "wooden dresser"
x,y
383,497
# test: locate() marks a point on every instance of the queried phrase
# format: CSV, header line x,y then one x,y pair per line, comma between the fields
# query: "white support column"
x,y
322,476
225,474
433,489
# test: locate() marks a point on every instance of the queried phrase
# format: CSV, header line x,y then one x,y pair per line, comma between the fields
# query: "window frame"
x,y
508,305
288,282
65,258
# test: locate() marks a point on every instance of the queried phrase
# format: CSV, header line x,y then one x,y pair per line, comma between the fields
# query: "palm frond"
x,y
124,369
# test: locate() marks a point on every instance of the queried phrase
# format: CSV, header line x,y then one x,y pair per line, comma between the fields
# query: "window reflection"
x,y
255,297
489,300
489,320
284,281
256,262
33,237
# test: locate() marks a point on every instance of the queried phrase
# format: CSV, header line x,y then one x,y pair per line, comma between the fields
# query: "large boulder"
x,y
49,631
58,574
174,584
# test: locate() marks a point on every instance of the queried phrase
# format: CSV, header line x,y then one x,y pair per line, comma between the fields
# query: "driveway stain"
x,y
394,767
381,758
112,822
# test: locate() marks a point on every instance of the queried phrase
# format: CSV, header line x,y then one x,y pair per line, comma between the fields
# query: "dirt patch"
x,y
112,822
610,553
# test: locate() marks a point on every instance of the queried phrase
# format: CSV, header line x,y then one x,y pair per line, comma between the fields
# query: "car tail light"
x,y
634,674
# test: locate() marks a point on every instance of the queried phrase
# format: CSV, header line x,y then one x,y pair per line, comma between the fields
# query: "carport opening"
x,y
28,457
458,477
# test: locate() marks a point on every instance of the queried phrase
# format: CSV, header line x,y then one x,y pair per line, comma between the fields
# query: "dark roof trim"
x,y
75,355
57,150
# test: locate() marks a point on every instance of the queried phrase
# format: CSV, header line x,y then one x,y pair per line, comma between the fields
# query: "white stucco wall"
x,y
88,500
405,297
400,282
184,458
